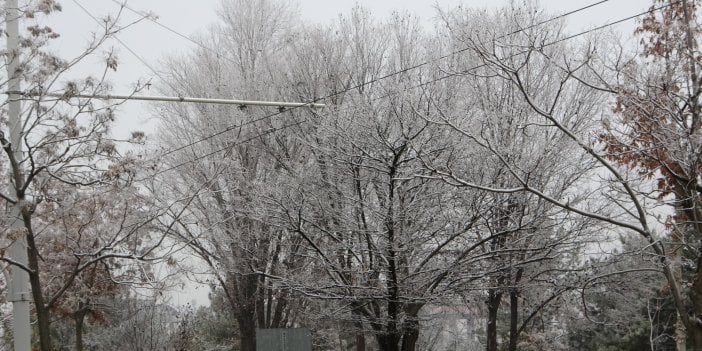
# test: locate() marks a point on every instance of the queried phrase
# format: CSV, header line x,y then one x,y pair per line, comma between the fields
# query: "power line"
x,y
180,98
138,57
225,130
426,83
614,23
218,54
563,15
232,127
228,147
526,51
155,21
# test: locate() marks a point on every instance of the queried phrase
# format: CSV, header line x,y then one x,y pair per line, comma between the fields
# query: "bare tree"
x,y
540,242
78,212
226,224
635,165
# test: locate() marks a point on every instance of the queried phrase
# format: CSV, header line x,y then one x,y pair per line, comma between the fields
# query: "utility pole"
x,y
19,278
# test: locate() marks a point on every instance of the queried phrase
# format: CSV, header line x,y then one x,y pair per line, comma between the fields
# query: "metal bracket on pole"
x,y
20,296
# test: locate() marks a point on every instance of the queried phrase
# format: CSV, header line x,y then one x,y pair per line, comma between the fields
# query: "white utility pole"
x,y
19,278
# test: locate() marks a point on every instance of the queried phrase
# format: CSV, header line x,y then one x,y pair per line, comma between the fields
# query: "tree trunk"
x,y
676,265
411,326
360,337
388,342
680,334
42,314
391,339
244,307
247,334
694,329
43,321
696,337
411,334
513,319
689,210
493,304
360,342
79,318
245,301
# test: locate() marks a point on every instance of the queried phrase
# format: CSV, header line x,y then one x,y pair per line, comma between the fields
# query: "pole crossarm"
x,y
279,104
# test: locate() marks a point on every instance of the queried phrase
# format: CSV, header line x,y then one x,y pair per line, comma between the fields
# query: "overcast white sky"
x,y
152,42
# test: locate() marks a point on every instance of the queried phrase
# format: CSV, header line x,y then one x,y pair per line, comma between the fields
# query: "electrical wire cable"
x,y
156,22
134,53
218,54
591,30
424,84
228,147
360,85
